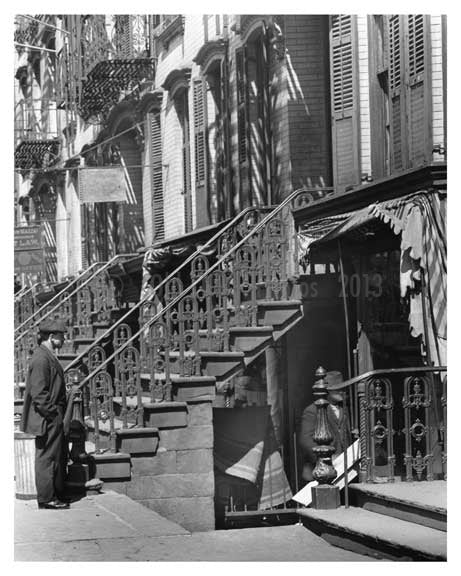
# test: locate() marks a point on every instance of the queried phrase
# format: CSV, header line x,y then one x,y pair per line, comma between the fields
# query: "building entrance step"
x,y
423,503
375,535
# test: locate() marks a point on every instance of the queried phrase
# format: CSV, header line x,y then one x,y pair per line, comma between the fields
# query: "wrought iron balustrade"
x,y
86,300
400,418
249,262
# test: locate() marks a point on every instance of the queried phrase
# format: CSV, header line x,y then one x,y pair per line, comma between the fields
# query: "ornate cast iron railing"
x,y
250,262
24,304
400,418
86,300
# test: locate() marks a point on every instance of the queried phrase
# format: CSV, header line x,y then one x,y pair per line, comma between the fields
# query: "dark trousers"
x,y
50,462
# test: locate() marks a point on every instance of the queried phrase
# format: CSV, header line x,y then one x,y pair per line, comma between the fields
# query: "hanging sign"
x,y
103,184
28,250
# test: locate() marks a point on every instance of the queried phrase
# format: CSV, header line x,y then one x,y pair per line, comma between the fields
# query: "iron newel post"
x,y
325,495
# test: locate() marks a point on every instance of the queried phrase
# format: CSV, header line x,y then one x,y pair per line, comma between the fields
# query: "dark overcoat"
x,y
45,394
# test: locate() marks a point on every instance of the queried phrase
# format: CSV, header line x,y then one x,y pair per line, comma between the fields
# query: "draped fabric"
x,y
245,450
420,220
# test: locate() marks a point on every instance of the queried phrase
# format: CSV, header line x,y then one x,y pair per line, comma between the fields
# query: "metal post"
x,y
324,496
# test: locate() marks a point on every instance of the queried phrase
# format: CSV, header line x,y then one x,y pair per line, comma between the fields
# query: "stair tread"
x,y
210,353
251,329
287,303
425,495
398,533
105,426
147,401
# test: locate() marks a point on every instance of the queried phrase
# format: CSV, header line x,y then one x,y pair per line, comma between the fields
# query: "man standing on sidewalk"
x,y
43,414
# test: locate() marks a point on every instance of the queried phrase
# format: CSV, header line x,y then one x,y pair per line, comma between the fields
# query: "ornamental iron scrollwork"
x,y
158,351
84,327
129,385
102,410
378,405
417,404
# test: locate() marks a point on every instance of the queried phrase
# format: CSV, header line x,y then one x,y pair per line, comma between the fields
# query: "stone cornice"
x,y
210,52
177,80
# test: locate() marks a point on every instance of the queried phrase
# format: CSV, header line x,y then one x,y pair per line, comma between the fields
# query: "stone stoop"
x,y
167,467
402,521
420,503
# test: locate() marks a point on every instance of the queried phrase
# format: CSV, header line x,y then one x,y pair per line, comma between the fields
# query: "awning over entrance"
x,y
419,219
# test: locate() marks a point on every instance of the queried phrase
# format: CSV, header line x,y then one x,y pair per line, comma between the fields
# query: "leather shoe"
x,y
53,505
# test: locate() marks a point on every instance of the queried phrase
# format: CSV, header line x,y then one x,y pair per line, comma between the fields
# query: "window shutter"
x,y
186,162
157,176
201,152
397,99
242,125
410,140
124,36
417,125
344,100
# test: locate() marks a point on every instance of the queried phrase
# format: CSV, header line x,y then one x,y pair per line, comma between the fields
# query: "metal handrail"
x,y
162,283
102,269
186,290
384,371
24,291
60,293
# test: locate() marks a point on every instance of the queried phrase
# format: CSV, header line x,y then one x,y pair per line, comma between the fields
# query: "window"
x,y
254,150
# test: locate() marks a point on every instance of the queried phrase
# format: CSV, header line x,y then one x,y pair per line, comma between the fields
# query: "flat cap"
x,y
333,380
52,325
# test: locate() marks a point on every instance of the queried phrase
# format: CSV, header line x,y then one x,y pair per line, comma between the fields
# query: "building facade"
x,y
144,135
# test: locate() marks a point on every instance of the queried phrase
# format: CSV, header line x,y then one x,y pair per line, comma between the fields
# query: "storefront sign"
x,y
28,252
28,238
102,184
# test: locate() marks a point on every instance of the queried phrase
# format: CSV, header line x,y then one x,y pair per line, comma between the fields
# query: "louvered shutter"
x,y
124,36
242,125
397,95
417,101
344,100
186,163
158,217
201,155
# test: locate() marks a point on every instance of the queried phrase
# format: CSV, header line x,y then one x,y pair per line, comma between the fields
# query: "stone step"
x,y
157,414
250,340
137,440
222,365
375,535
282,315
423,503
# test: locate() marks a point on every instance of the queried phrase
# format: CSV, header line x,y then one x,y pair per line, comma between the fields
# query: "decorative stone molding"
x,y
211,52
151,100
177,80
250,23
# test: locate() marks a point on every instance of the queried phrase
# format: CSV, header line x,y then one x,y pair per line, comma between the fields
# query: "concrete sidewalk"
x,y
112,527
